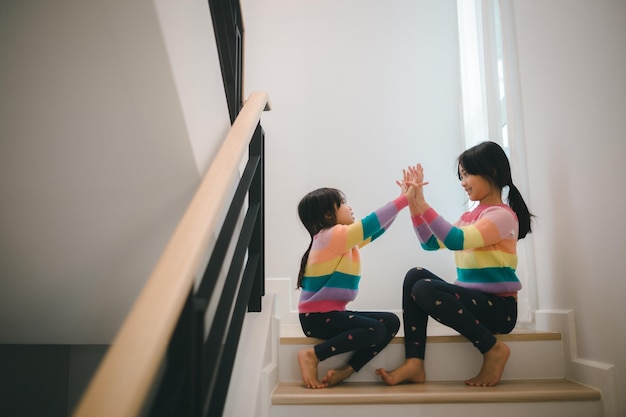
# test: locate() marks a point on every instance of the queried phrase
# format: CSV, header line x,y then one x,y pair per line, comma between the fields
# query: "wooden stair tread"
x,y
449,336
435,392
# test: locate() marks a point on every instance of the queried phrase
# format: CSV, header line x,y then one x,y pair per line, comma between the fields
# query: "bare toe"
x,y
412,370
308,367
491,371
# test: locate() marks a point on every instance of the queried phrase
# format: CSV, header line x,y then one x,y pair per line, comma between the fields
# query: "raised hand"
x,y
414,178
417,173
404,183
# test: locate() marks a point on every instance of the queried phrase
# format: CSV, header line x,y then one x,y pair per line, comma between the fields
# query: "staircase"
x,y
533,382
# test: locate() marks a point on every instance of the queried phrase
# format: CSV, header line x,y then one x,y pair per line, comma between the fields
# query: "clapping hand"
x,y
412,184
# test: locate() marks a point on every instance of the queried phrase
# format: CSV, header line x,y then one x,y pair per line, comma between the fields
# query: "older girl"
x,y
483,300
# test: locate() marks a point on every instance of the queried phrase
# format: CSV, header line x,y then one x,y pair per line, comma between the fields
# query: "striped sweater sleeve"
x,y
481,227
425,236
364,231
375,224
484,241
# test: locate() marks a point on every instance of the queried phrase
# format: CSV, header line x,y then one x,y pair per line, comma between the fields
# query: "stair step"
x,y
540,397
435,392
449,356
292,336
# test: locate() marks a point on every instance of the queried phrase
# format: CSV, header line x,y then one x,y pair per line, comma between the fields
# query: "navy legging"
x,y
474,314
364,332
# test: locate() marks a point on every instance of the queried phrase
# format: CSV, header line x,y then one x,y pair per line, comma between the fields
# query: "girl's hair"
x,y
488,160
317,211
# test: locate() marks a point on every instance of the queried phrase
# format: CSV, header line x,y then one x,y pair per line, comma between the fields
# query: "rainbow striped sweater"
x,y
333,271
485,245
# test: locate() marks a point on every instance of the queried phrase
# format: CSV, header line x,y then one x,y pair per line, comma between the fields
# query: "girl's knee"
x,y
422,285
381,331
414,275
393,324
423,291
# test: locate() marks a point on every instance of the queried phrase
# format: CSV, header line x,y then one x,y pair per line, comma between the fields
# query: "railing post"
x,y
178,394
197,386
229,35
257,195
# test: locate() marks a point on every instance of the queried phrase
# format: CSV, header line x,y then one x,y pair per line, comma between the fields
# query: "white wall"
x,y
572,63
190,42
359,90
102,138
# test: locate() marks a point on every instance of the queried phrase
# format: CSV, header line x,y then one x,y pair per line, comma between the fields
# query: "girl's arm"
x,y
488,226
362,232
386,219
427,239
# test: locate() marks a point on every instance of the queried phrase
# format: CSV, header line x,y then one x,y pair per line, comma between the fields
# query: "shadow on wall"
x,y
45,380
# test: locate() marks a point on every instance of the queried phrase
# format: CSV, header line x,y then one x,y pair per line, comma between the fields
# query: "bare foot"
x,y
412,370
308,367
493,365
335,376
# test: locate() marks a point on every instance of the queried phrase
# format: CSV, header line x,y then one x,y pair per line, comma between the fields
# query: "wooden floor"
x,y
435,392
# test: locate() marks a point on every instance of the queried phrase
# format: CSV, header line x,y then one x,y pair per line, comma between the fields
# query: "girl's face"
x,y
344,214
479,189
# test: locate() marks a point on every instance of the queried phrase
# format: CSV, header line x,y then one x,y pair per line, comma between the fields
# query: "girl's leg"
x,y
415,322
381,329
366,333
307,358
414,317
391,325
308,368
494,361
475,315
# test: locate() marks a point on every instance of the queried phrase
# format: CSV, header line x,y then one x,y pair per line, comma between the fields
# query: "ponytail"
x,y
518,205
303,262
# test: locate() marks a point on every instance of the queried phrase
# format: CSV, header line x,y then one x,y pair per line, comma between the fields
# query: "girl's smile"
x,y
479,189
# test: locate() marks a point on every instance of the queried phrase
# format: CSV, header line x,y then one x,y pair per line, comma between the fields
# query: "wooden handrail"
x,y
125,376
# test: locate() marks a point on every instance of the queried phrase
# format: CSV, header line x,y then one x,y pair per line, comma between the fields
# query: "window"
x,y
492,108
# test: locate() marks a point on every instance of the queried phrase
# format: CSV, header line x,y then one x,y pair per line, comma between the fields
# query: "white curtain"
x,y
492,108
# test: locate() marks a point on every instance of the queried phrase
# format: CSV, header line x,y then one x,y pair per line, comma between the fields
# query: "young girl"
x,y
483,300
329,276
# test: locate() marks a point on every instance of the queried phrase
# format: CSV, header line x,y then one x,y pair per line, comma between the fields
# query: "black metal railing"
x,y
175,352
229,35
196,372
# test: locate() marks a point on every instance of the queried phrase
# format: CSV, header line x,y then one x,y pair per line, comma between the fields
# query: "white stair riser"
x,y
552,409
444,361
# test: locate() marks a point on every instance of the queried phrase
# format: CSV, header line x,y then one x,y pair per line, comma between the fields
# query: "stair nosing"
x,y
435,392
523,335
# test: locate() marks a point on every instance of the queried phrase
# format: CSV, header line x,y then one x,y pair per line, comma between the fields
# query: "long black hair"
x,y
317,211
489,160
